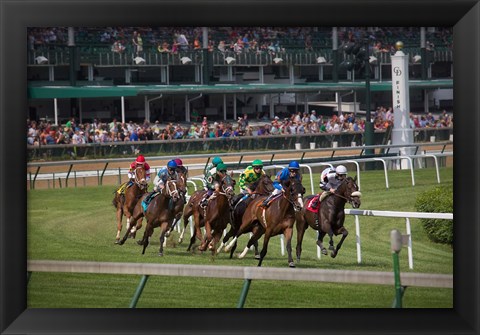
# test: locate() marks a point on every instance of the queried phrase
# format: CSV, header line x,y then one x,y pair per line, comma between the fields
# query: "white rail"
x,y
237,272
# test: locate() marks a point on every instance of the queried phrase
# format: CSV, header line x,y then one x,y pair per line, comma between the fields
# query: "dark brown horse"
x,y
262,187
277,218
160,212
330,216
125,202
214,217
176,191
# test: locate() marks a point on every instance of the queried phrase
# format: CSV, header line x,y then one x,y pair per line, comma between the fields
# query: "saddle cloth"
x,y
309,204
148,199
271,200
124,186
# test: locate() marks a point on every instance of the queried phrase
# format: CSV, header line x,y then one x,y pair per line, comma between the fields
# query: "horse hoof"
x,y
331,247
333,254
257,256
324,251
139,242
291,264
117,242
160,254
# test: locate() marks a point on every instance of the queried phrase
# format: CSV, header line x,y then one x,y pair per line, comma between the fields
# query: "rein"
x,y
138,182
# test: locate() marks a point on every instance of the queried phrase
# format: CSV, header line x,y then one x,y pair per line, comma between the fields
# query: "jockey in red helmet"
x,y
140,161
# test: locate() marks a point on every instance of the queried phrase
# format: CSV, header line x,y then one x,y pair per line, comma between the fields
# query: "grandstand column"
x,y
423,53
73,56
401,133
334,54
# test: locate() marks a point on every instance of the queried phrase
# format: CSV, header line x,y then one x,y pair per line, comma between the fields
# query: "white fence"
x,y
238,272
408,235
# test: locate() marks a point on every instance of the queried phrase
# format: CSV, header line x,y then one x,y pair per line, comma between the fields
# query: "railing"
x,y
216,145
237,272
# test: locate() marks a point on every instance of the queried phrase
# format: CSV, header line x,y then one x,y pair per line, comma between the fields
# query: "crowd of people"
x,y
235,39
44,132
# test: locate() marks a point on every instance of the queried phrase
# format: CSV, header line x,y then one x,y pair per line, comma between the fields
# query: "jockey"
x,y
140,161
251,174
292,171
330,180
213,179
180,167
210,167
168,172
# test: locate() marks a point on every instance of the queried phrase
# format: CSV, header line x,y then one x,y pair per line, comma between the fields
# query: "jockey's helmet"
x,y
171,165
221,168
140,160
179,162
216,161
257,163
294,165
341,170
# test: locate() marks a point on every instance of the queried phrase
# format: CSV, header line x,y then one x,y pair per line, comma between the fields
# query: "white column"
x,y
401,132
55,108
123,109
147,108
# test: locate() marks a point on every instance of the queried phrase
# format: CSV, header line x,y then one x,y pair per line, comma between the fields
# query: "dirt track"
x,y
114,180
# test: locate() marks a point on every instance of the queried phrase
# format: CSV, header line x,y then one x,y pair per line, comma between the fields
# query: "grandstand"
x,y
263,71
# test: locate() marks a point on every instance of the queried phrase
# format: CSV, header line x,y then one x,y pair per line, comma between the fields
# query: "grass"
x,y
79,224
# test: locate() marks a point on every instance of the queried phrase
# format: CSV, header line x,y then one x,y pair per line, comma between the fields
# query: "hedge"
x,y
437,200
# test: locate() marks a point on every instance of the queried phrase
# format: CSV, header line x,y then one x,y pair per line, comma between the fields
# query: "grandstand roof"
x,y
50,92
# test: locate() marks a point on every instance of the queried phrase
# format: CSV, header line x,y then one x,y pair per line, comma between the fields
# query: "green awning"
x,y
50,92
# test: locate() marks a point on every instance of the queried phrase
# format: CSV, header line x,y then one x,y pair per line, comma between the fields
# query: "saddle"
x,y
270,201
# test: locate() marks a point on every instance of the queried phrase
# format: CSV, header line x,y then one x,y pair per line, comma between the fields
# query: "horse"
x,y
214,217
277,218
176,190
160,212
330,216
125,202
262,187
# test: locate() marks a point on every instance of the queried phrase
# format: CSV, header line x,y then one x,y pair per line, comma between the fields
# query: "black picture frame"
x,y
17,15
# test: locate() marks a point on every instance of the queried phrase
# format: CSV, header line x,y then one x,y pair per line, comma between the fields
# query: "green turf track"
x,y
79,224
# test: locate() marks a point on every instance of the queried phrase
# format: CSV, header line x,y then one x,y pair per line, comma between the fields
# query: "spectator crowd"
x,y
44,132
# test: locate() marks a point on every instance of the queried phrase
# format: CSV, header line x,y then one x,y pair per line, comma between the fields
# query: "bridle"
x,y
172,189
227,189
141,183
349,198
296,206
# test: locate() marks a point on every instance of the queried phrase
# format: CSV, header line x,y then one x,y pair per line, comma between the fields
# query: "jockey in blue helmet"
x,y
168,172
292,171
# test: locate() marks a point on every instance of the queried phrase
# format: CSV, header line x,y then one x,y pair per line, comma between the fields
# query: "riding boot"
x,y
204,201
315,202
265,202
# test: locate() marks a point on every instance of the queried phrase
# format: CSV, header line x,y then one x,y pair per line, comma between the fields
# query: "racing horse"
x,y
176,191
214,217
125,202
160,212
277,218
262,187
330,216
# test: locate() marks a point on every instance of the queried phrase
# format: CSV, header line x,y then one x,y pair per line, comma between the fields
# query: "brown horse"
x,y
176,191
125,202
160,212
330,217
262,187
277,218
214,217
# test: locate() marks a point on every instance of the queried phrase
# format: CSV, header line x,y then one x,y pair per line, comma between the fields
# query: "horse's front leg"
x,y
344,232
265,246
301,228
321,235
257,232
288,233
163,231
208,236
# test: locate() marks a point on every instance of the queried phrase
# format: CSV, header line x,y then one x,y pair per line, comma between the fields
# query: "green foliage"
x,y
437,200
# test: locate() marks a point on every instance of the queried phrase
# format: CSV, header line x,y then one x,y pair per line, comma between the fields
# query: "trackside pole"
x,y
138,292
243,295
396,243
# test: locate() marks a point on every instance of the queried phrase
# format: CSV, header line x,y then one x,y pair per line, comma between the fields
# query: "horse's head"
x,y
294,192
264,185
351,192
227,185
141,177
